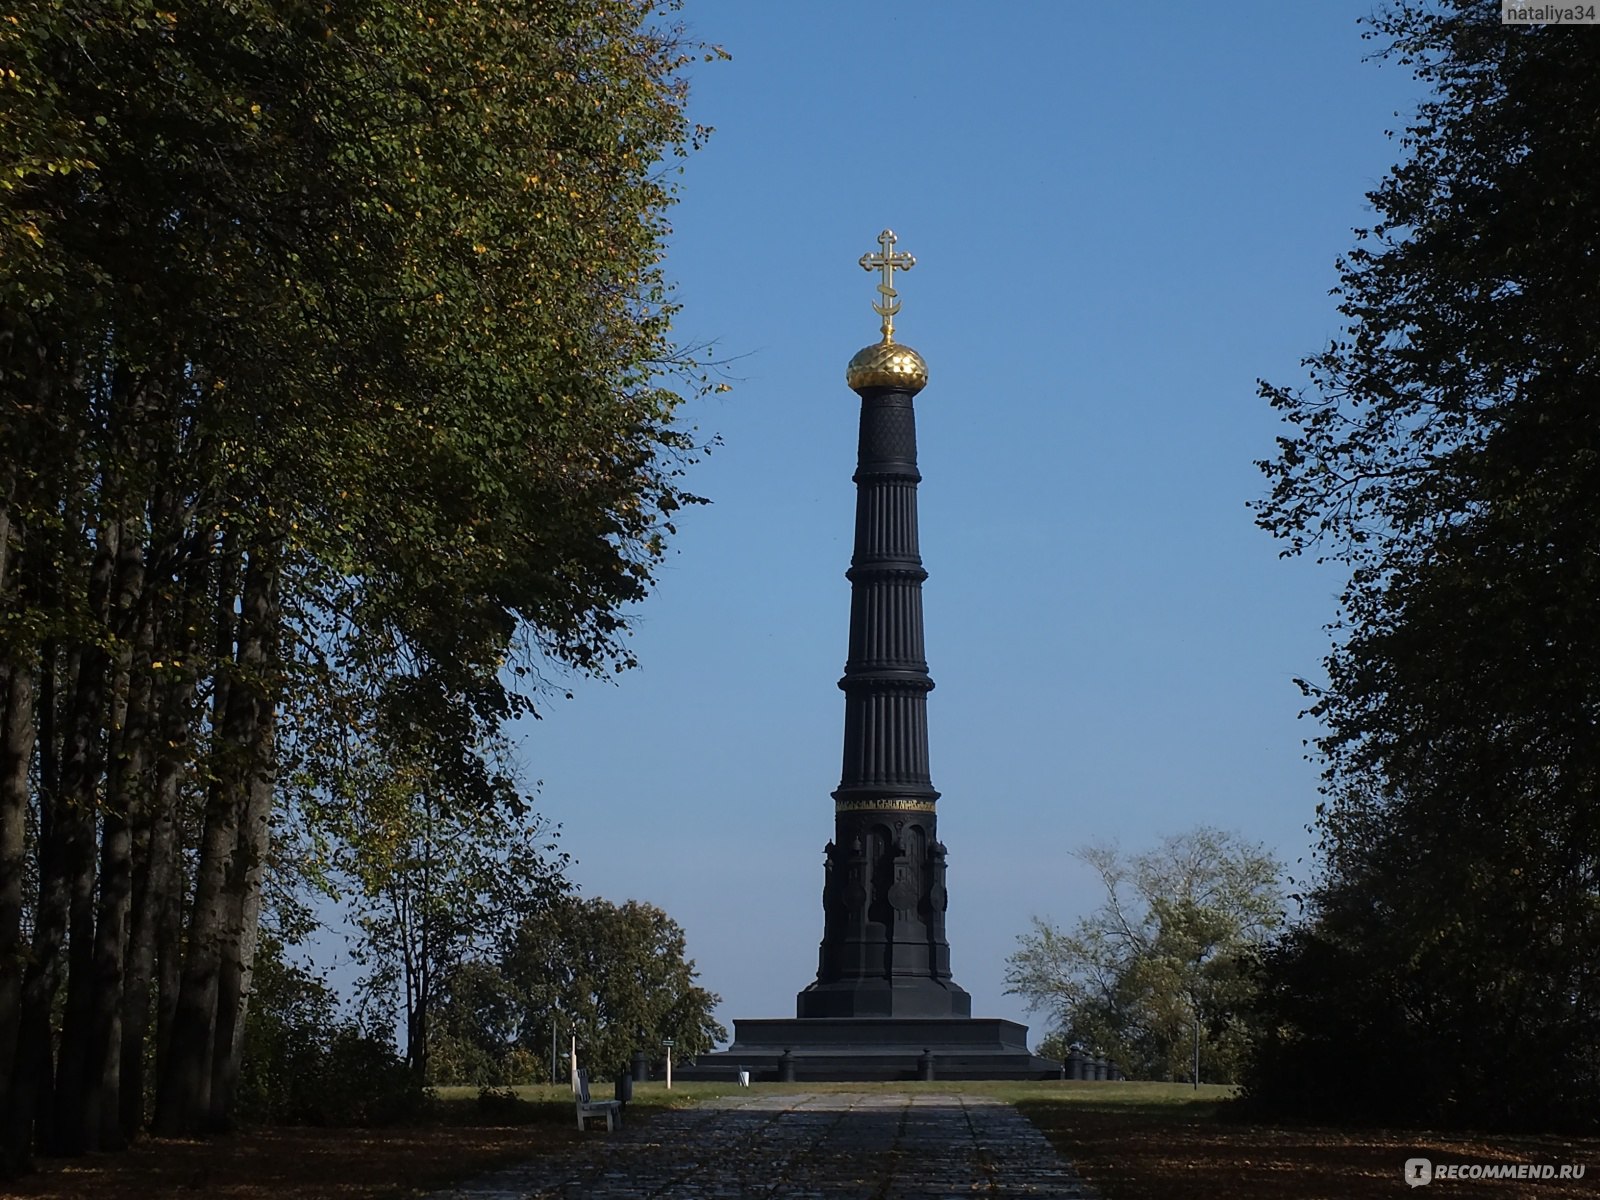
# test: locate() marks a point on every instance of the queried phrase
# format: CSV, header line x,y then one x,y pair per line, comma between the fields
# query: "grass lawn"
x,y
1132,1141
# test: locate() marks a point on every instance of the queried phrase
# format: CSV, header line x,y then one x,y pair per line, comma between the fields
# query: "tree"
x,y
1448,452
1156,977
333,359
1054,1045
615,976
438,884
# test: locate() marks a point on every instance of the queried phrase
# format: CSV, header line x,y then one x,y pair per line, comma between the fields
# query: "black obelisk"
x,y
883,1005
883,951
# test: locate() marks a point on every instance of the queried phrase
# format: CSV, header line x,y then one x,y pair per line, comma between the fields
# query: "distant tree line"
x,y
331,429
475,946
615,977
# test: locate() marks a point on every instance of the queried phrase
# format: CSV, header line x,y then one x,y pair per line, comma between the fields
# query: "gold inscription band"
x,y
892,805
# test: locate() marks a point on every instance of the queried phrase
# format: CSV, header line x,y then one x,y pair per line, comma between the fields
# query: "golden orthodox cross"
x,y
887,261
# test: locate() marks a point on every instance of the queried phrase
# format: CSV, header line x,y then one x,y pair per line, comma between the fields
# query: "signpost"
x,y
668,1043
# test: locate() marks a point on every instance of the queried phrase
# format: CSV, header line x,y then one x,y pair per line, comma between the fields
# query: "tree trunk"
x,y
155,883
81,767
155,939
154,925
17,729
138,969
31,1069
257,652
426,953
10,557
7,491
183,1096
168,935
125,792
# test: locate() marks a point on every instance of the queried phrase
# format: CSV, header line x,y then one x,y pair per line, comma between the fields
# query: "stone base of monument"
x,y
863,1049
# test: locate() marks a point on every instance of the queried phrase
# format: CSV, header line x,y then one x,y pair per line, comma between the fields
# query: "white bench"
x,y
611,1110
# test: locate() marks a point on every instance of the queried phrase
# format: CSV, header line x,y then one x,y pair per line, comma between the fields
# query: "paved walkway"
x,y
836,1146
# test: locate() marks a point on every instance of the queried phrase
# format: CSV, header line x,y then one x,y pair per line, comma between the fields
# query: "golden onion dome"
x,y
887,365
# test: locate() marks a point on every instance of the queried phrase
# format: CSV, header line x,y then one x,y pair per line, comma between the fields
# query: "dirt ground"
x,y
266,1164
1155,1145
1131,1153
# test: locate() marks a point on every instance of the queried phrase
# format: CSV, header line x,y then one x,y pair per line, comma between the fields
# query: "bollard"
x,y
1075,1064
786,1067
925,1066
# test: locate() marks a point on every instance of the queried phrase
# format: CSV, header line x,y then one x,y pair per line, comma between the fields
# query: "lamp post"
x,y
668,1043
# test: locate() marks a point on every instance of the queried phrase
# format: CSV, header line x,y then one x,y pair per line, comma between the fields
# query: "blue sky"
x,y
1122,215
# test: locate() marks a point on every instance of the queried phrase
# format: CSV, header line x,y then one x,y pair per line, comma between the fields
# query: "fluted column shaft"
x,y
883,948
886,682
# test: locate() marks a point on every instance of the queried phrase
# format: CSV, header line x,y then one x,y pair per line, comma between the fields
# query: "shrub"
x,y
303,1065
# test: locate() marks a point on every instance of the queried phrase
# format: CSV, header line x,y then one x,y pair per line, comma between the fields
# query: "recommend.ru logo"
x,y
1420,1171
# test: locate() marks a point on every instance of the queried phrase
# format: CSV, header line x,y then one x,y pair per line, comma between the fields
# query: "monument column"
x,y
883,1005
883,950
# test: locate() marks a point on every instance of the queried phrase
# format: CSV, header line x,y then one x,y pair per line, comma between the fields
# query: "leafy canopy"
x,y
1448,451
1166,949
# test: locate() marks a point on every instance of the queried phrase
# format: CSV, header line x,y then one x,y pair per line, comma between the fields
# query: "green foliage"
x,y
340,393
474,1034
363,1082
435,883
305,1065
1055,1045
1449,453
616,976
291,1014
1160,966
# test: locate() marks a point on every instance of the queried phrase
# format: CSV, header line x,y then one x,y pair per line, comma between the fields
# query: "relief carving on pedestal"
x,y
830,896
903,892
906,891
938,897
855,889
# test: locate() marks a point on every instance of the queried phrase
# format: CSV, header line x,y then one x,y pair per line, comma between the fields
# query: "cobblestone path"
x,y
836,1146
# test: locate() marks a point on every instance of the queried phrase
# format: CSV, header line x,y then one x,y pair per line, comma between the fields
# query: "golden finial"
x,y
887,261
884,364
